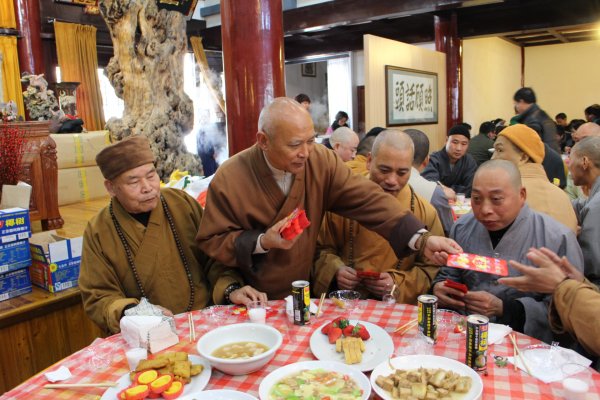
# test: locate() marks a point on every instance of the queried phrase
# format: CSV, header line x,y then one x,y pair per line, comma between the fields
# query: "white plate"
x,y
198,382
359,378
221,394
377,349
426,361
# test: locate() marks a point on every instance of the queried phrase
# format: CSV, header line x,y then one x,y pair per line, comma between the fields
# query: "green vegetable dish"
x,y
316,384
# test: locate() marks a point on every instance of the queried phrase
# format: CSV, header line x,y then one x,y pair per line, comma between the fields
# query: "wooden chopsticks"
x,y
192,328
518,351
321,301
406,327
79,385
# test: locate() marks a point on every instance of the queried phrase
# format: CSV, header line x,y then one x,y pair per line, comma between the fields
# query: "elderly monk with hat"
x,y
522,146
143,243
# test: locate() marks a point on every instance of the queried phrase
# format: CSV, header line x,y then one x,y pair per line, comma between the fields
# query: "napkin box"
x,y
14,225
149,332
14,283
55,261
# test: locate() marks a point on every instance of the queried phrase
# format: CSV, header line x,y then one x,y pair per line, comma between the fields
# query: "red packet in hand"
x,y
368,274
295,224
455,285
477,263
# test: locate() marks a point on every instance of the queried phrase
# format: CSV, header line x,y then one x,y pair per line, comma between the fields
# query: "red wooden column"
x,y
29,43
447,41
252,35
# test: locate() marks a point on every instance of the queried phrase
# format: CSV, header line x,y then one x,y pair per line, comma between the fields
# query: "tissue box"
x,y
148,332
14,255
14,225
15,283
55,261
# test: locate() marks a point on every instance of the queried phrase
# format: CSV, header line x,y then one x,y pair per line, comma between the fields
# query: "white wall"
x,y
491,76
564,76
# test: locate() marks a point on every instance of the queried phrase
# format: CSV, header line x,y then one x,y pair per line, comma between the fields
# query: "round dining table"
x,y
499,382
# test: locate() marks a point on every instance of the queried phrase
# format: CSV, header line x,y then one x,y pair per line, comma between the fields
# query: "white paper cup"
x,y
460,199
134,356
257,312
576,382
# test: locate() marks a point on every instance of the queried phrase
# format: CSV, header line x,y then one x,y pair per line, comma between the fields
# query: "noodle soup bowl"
x,y
235,334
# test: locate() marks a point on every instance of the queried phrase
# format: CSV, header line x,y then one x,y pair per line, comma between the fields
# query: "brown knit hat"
x,y
122,156
527,140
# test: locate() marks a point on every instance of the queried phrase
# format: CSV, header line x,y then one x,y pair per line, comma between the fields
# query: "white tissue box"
x,y
152,333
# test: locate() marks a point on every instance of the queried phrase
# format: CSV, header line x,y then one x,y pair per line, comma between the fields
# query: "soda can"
x,y
477,342
426,313
301,300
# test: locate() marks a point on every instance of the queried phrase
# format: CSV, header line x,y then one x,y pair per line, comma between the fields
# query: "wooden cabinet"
x,y
40,171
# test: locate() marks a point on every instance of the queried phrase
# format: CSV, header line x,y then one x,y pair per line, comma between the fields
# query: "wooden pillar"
x,y
447,41
29,43
252,36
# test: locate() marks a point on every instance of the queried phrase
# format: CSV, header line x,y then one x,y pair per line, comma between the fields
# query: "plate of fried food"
x,y
168,375
362,345
425,376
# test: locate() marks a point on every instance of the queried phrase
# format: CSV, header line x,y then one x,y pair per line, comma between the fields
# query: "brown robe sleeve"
x,y
330,244
574,309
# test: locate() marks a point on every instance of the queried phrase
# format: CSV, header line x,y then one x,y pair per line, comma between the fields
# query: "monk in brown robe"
x,y
575,300
345,247
142,244
253,192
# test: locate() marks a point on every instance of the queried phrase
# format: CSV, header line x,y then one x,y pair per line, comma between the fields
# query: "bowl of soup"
x,y
240,349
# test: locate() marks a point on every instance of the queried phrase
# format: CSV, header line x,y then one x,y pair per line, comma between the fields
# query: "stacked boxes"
x,y
15,257
55,261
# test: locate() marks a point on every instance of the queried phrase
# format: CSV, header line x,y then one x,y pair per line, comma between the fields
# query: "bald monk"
x,y
142,244
344,142
253,192
345,247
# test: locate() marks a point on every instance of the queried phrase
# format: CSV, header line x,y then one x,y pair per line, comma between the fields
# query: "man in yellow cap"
x,y
523,147
143,243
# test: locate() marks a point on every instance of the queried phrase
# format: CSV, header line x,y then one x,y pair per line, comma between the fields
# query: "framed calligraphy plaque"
x,y
411,96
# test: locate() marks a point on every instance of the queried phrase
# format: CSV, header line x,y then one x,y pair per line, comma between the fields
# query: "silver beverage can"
x,y
301,300
477,342
426,315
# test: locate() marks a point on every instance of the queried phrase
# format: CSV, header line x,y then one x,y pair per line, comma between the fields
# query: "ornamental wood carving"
x,y
147,73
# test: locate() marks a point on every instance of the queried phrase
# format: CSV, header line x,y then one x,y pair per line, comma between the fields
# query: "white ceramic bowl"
x,y
247,332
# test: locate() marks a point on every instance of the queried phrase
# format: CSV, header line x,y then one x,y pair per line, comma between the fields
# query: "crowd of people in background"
x,y
381,204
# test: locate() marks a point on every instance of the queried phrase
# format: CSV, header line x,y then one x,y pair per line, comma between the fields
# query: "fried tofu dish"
x,y
174,363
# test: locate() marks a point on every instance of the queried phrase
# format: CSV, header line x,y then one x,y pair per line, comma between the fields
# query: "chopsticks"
x,y
518,351
321,301
406,327
79,385
192,328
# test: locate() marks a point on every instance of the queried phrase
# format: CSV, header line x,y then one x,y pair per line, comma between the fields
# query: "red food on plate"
x,y
146,377
334,334
137,392
161,383
361,332
478,263
347,331
456,285
174,391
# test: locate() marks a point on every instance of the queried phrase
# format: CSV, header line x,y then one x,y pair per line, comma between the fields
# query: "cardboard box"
x,y
55,261
15,283
14,255
14,225
79,149
80,184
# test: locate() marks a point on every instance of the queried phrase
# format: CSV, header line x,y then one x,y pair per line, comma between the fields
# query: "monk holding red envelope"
x,y
502,227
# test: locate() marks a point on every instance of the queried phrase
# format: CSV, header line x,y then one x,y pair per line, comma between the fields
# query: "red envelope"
x,y
295,224
455,285
368,274
477,263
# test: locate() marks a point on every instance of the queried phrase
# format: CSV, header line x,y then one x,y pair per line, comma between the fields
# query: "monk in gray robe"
x,y
503,226
253,192
142,244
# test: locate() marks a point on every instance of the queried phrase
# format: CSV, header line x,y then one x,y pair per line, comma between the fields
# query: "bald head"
x,y
588,147
513,176
395,139
344,141
282,111
586,130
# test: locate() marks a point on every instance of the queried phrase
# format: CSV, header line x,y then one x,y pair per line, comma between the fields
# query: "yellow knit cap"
x,y
527,140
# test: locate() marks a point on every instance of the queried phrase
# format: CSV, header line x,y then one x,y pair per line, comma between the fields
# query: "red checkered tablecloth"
x,y
500,382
